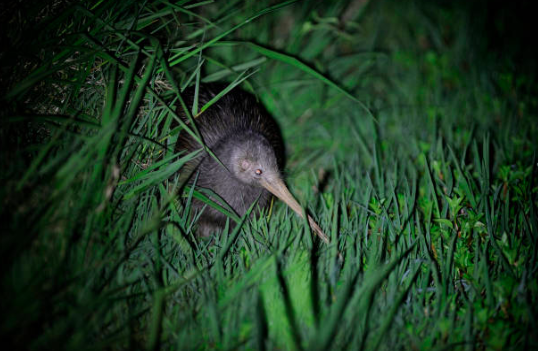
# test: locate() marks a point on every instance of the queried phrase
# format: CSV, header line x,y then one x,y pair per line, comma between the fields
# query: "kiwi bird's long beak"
x,y
277,187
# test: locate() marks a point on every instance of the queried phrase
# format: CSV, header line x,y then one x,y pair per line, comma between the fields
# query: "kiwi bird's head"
x,y
253,162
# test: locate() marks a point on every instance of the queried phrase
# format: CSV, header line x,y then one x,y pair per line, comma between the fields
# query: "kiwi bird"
x,y
248,145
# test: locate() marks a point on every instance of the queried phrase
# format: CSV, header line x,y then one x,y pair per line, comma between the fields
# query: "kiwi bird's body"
x,y
236,126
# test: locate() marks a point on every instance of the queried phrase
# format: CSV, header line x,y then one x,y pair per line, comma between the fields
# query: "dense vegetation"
x,y
411,136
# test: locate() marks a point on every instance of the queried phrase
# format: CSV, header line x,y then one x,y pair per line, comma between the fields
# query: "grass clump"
x,y
407,137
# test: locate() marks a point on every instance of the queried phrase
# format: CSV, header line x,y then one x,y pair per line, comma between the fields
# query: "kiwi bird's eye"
x,y
258,171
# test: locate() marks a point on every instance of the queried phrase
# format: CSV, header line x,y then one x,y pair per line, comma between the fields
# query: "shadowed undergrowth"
x,y
413,147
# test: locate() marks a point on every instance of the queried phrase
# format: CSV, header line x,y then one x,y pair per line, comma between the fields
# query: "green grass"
x,y
412,145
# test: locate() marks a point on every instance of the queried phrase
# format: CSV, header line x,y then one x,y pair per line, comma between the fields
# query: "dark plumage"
x,y
247,141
